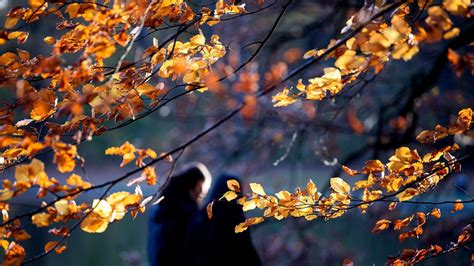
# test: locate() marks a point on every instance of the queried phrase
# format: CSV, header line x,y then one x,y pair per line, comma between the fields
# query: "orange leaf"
x,y
381,225
457,206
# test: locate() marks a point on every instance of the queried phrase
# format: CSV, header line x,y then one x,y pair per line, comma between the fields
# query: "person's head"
x,y
198,180
193,181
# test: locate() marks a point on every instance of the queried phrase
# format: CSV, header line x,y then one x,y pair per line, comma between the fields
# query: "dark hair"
x,y
180,184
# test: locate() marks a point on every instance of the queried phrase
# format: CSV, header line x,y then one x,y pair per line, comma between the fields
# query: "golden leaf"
x,y
436,213
233,185
339,185
284,195
250,221
283,98
5,194
94,223
407,194
126,150
312,189
11,21
257,189
62,206
381,225
41,219
457,206
150,175
76,180
454,32
49,40
54,244
457,7
349,171
229,195
102,208
21,36
35,4
249,205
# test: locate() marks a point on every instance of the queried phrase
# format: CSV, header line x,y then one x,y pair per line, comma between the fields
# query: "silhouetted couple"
x,y
181,234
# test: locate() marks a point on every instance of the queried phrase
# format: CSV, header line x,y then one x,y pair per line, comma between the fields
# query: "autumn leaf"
x,y
49,40
339,185
14,254
284,195
56,245
209,209
283,98
94,223
407,194
249,205
381,225
126,150
248,222
229,195
436,213
233,185
457,206
257,189
42,219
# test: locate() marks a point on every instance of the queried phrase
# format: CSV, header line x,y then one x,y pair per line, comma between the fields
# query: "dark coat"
x,y
169,220
213,241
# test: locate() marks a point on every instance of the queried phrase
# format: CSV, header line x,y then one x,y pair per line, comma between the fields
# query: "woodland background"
x,y
282,148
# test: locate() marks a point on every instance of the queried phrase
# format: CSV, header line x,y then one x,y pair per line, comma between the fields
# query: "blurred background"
x,y
282,148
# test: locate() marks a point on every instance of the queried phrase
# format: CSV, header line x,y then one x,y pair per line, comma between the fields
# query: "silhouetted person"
x,y
170,219
213,242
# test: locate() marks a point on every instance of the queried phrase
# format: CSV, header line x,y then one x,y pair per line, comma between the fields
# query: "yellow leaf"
x,y
10,22
62,206
249,205
49,40
165,3
150,175
35,4
94,223
452,33
283,98
339,185
76,180
257,189
5,194
230,195
233,185
102,208
198,40
407,194
41,219
244,225
284,195
21,36
457,7
4,243
312,189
